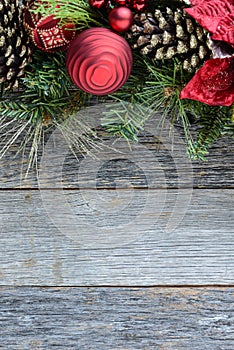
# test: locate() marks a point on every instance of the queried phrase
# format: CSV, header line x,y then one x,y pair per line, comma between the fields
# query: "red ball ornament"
x,y
99,61
45,32
120,19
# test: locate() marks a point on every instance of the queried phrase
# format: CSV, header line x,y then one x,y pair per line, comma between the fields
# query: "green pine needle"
x,y
77,12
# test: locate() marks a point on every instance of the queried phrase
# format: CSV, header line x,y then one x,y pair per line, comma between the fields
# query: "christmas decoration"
x,y
214,82
167,34
45,31
216,16
135,5
99,61
176,59
120,19
15,48
97,3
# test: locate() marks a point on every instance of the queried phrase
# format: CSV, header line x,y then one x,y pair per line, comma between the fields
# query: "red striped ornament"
x,y
99,61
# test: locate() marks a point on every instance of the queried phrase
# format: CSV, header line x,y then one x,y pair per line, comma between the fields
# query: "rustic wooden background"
x,y
132,250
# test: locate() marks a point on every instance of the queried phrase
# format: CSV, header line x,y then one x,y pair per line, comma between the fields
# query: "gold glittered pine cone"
x,y
15,47
163,35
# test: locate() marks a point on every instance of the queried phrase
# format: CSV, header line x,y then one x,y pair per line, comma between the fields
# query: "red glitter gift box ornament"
x,y
99,61
46,33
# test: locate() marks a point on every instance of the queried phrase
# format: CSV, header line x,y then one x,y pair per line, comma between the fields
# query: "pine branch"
x,y
45,92
77,12
212,121
124,119
229,127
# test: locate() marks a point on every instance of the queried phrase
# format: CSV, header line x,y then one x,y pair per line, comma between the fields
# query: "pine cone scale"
x,y
170,34
15,46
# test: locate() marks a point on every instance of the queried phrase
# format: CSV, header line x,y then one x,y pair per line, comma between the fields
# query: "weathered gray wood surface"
x,y
126,219
114,318
116,237
145,166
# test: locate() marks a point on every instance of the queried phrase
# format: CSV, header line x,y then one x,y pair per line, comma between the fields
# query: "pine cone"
x,y
15,50
170,34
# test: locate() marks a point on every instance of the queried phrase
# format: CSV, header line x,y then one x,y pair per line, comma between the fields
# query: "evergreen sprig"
x,y
45,91
47,96
213,122
77,12
157,90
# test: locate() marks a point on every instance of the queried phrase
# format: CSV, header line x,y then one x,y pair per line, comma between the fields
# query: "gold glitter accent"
x,y
9,32
135,28
20,73
8,51
10,15
15,85
170,52
194,60
166,37
2,41
169,11
179,31
146,50
181,47
143,17
155,40
5,19
23,51
148,28
161,20
186,65
158,14
142,40
18,41
159,54
202,52
10,60
10,74
193,42
189,25
177,17
199,32
24,63
162,23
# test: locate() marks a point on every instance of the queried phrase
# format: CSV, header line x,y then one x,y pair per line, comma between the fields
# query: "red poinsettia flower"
x,y
213,84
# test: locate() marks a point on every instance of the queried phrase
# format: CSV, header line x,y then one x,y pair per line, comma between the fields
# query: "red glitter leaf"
x,y
216,16
225,30
213,84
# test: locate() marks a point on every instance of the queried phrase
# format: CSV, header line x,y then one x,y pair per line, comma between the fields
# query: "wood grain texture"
x,y
124,218
116,237
114,318
144,166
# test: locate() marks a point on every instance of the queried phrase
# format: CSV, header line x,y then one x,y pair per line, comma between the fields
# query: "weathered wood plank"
x,y
143,166
114,318
119,237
